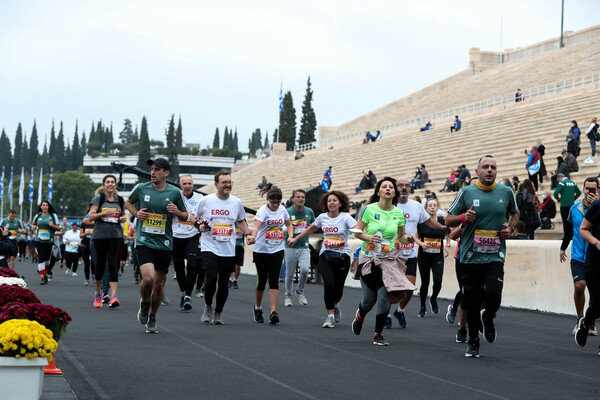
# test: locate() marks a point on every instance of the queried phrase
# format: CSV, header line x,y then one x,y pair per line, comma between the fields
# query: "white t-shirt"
x,y
271,234
221,216
73,239
335,232
186,229
414,214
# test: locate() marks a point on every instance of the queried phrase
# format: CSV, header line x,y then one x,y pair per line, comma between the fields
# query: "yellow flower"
x,y
20,337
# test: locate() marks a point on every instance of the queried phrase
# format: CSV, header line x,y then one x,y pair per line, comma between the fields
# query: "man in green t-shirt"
x,y
14,226
301,218
566,192
156,202
482,209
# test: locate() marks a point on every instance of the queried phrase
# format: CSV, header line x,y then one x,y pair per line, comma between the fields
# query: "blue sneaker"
x,y
187,303
401,318
388,323
181,304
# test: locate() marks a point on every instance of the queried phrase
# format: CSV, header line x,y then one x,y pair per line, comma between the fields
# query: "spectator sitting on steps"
x,y
570,160
369,137
262,183
421,177
368,181
456,125
519,233
548,206
427,127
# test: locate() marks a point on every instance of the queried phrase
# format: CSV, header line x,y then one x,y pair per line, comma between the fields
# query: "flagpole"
x,y
31,195
2,194
10,187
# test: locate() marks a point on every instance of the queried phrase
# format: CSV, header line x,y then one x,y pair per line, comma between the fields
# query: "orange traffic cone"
x,y
51,368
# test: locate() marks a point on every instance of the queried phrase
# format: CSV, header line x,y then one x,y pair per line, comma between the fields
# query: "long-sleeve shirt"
x,y
568,191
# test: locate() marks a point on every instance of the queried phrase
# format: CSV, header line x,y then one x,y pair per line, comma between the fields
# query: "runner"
x,y
380,266
157,202
267,236
414,214
579,247
239,258
64,227
299,254
431,258
45,223
482,209
219,212
72,240
185,243
22,241
85,231
334,257
15,227
107,211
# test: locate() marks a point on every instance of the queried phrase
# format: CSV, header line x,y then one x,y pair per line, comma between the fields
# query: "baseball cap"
x,y
160,163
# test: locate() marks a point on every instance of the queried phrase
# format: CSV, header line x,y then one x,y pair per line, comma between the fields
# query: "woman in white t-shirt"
x,y
267,236
334,258
72,240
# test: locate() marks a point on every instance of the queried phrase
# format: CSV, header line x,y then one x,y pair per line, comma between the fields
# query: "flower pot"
x,y
21,379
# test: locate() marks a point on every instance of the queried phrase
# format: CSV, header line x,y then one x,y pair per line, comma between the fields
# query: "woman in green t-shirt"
x,y
45,223
379,222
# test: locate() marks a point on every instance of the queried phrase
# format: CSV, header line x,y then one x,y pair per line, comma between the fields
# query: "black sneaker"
x,y
229,284
105,298
357,323
273,318
181,303
258,316
422,313
451,314
388,323
151,324
143,312
473,350
235,285
401,318
187,303
489,330
434,306
379,340
582,333
461,335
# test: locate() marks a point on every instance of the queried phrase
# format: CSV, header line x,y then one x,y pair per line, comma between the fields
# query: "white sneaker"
x,y
67,271
593,331
86,283
74,273
288,301
329,322
302,299
575,329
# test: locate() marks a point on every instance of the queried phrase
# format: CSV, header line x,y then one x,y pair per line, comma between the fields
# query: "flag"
x,y
31,188
50,188
40,186
10,187
280,98
2,184
22,186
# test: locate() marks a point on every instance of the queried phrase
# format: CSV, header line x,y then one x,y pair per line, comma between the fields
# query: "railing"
x,y
306,146
582,81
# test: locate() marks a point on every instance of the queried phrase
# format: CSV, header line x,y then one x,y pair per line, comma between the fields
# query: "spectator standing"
x,y
515,183
519,96
593,135
575,131
566,193
456,125
533,166
526,200
542,151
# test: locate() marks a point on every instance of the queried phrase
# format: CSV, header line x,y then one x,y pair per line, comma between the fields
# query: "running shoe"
x,y
273,318
114,302
67,271
207,315
199,293
287,302
229,284
337,315
301,298
86,283
74,274
47,278
473,349
329,322
105,298
165,301
357,324
451,314
400,317
379,340
489,330
235,285
593,331
258,316
433,305
218,320
151,324
576,326
98,300
143,312
388,323
187,303
181,303
42,280
582,333
422,313
461,335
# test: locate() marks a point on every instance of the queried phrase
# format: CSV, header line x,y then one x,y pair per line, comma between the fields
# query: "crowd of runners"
x,y
204,237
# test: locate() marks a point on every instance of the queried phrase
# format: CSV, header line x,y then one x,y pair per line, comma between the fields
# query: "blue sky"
x,y
221,63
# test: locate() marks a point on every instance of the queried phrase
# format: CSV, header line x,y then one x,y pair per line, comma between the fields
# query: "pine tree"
x,y
308,122
287,123
179,135
25,155
52,148
170,136
68,159
59,155
5,151
136,136
172,149
18,151
144,150
76,159
34,152
83,147
226,139
216,139
126,135
266,144
235,146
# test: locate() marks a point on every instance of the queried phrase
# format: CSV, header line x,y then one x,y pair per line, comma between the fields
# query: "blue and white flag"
x,y
40,186
22,186
280,98
2,185
50,188
31,188
10,187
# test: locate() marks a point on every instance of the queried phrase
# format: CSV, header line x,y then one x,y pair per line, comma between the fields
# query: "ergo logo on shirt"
x,y
328,229
274,222
220,212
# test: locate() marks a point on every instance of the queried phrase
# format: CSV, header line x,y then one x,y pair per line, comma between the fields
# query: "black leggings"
x,y
217,270
268,267
374,294
22,249
107,251
72,260
185,249
334,278
44,251
458,298
428,265
592,280
482,282
86,255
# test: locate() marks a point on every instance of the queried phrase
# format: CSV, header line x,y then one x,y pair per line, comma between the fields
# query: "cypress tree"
x,y
226,139
179,135
18,151
308,122
34,152
170,136
235,141
266,144
25,155
68,159
216,139
287,123
5,151
59,155
83,147
76,159
92,137
172,149
52,149
144,150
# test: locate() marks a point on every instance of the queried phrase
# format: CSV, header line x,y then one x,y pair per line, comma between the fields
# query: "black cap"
x,y
160,163
74,224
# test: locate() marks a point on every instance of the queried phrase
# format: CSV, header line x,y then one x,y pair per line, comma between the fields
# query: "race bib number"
x,y
334,242
89,231
186,225
43,234
155,224
300,226
13,233
222,231
238,233
405,249
372,251
74,246
486,241
434,245
274,236
113,217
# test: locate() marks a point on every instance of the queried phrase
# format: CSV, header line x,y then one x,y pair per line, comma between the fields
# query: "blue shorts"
x,y
577,270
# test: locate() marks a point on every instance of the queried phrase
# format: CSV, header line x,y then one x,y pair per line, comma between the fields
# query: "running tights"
x,y
592,280
107,252
428,266
334,277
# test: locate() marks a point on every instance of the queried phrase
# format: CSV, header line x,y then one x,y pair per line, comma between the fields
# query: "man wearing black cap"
x,y
156,202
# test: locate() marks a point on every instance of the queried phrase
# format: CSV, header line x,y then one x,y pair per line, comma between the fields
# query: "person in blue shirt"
x,y
327,176
457,124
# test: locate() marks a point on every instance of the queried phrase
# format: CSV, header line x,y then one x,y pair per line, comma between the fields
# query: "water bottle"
x,y
378,245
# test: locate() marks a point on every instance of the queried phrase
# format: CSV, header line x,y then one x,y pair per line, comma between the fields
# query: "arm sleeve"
x,y
458,205
558,190
318,221
241,212
134,195
577,192
589,129
260,215
568,232
95,200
